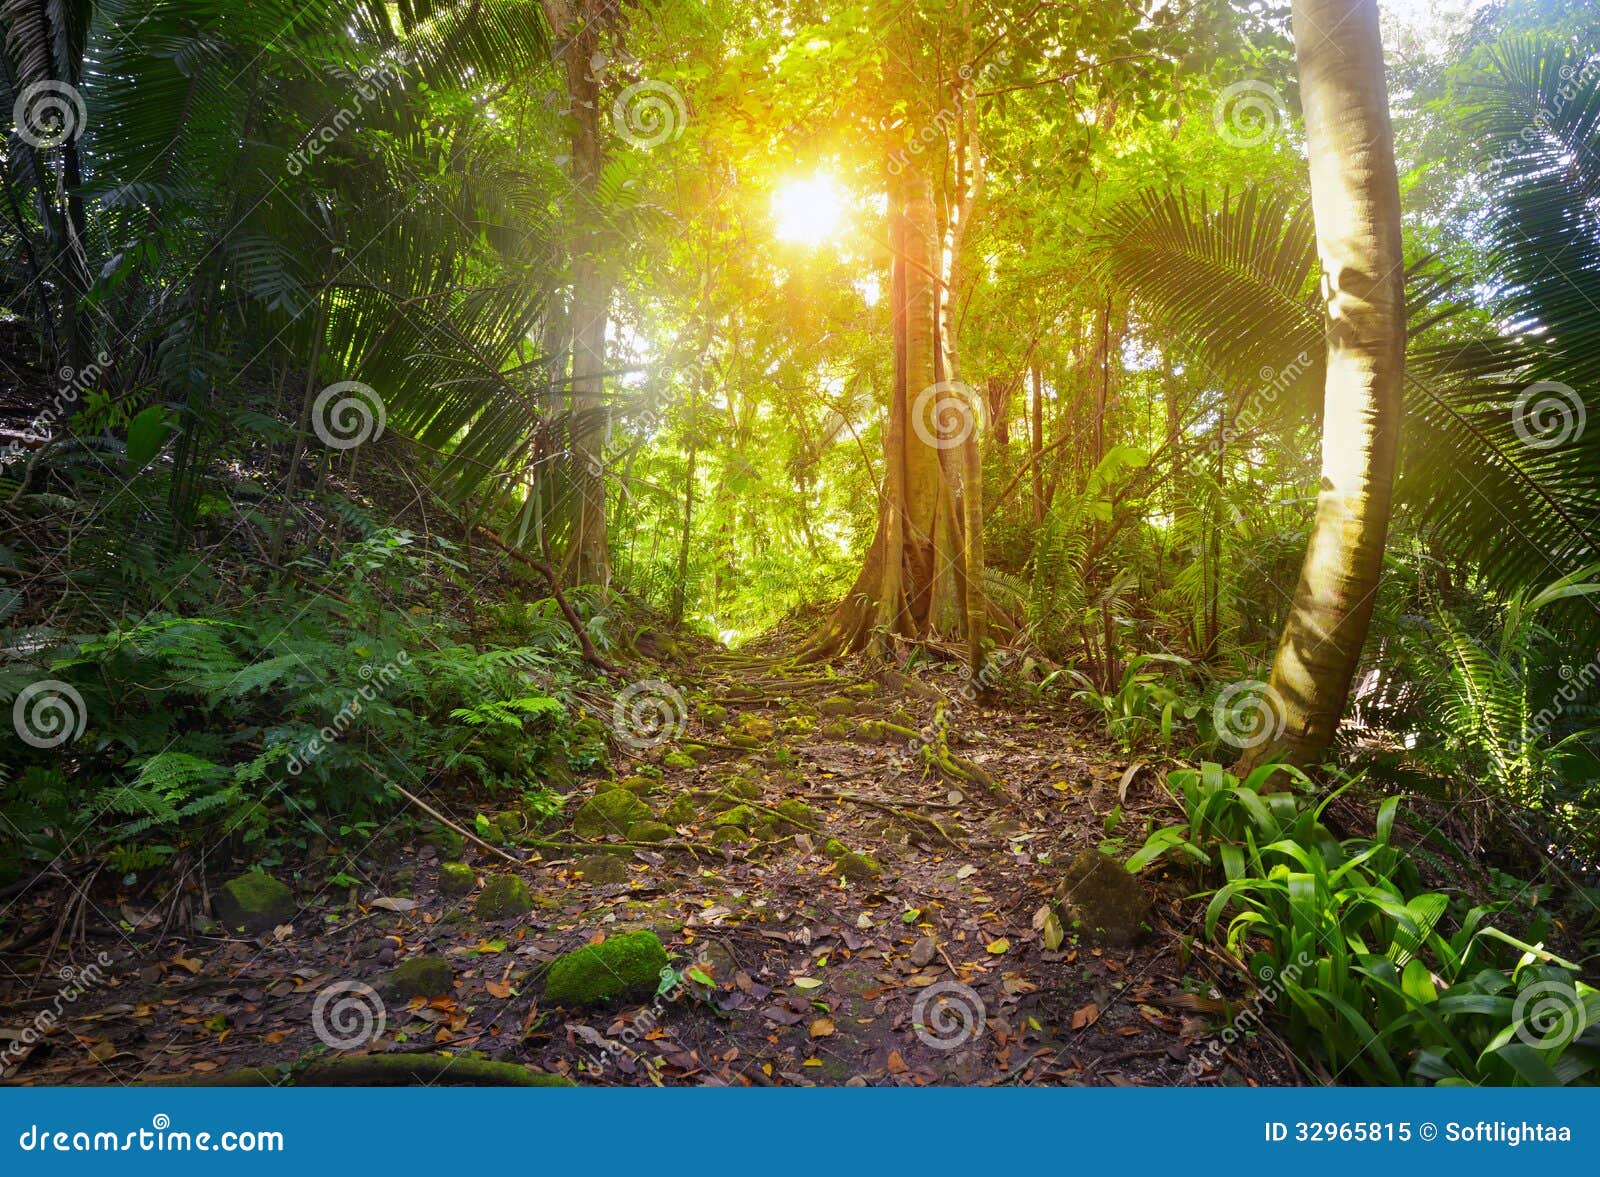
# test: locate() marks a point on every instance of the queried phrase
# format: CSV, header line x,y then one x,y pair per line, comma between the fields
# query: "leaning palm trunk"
x,y
1356,202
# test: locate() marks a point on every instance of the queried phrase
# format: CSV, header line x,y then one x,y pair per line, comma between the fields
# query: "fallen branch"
x,y
590,655
442,819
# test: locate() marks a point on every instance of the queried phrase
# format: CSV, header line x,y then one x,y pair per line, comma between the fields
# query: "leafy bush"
x,y
1384,980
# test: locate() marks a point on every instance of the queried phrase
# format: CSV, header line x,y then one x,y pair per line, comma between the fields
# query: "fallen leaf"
x,y
1085,1016
999,947
807,983
822,1028
1053,932
389,904
498,989
897,1065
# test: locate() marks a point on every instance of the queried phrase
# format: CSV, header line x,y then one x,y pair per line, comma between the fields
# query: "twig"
x,y
441,818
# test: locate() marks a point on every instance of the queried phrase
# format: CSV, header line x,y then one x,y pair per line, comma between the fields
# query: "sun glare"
x,y
808,211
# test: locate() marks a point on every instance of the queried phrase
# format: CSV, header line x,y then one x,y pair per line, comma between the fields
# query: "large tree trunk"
x,y
908,582
577,27
1356,202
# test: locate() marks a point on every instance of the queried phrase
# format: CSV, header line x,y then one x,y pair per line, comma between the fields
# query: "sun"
x,y
808,211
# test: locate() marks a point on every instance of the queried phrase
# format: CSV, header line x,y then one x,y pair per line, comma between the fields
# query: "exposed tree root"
x,y
375,1070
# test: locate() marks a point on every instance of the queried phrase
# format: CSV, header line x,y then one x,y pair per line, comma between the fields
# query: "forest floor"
x,y
936,970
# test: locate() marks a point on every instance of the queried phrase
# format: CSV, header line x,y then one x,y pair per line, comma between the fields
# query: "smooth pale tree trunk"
x,y
1356,202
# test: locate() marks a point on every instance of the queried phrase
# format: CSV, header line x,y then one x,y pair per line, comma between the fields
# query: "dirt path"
x,y
923,959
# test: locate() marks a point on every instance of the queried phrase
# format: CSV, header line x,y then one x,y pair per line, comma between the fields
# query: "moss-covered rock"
x,y
857,867
757,727
738,785
677,759
698,753
837,705
681,812
510,824
419,976
502,897
712,713
797,816
1107,903
637,783
740,815
602,868
837,730
621,968
253,902
446,841
456,878
650,831
611,812
799,725
729,836
834,848
555,774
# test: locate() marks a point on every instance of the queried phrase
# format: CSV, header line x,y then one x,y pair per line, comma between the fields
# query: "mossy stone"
x,y
837,705
713,713
742,786
254,902
418,976
728,836
1106,901
503,897
449,843
740,815
834,848
837,730
799,725
640,785
677,759
650,831
456,878
740,740
858,867
602,868
625,967
611,812
797,815
698,753
757,727
510,824
681,812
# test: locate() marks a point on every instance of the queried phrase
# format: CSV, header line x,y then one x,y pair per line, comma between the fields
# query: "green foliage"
x,y
1377,977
